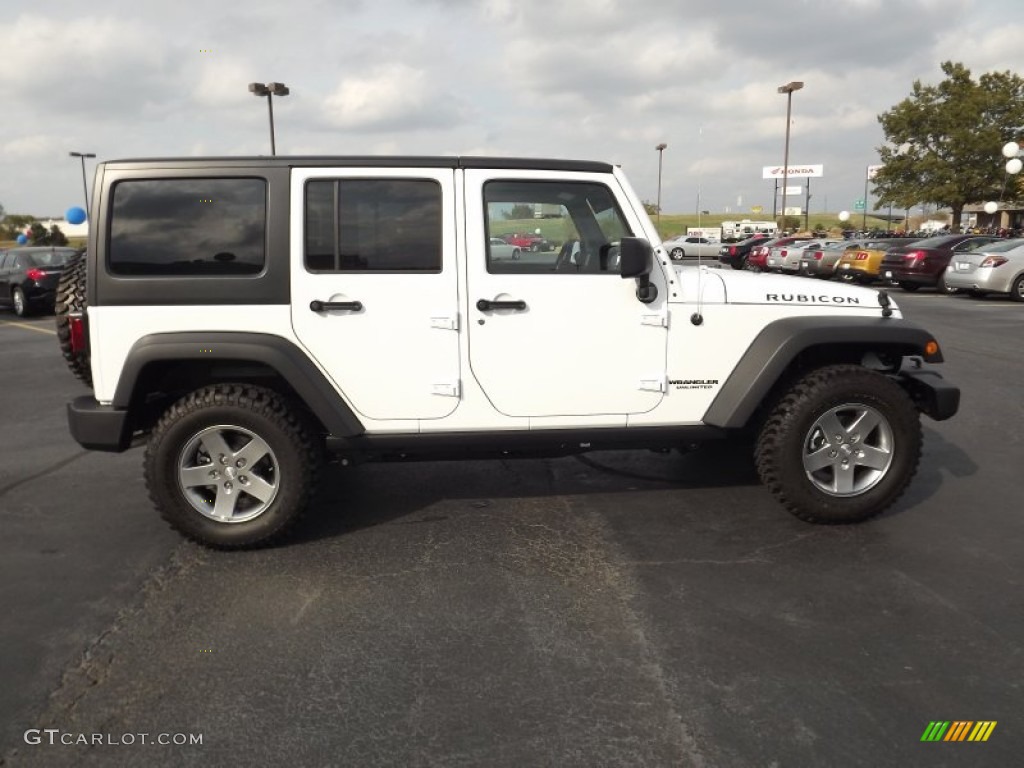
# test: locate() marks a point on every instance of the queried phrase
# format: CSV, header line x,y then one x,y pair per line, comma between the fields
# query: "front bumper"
x,y
931,393
99,427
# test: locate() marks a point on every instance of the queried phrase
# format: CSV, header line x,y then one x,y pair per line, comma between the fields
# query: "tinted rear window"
x,y
188,227
51,258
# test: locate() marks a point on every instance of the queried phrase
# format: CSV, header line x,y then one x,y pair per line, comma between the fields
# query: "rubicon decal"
x,y
958,730
803,298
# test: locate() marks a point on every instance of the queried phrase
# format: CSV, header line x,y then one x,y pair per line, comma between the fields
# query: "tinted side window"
x,y
188,227
373,225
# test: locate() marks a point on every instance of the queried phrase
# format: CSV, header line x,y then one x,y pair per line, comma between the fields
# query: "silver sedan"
x,y
994,268
786,258
690,247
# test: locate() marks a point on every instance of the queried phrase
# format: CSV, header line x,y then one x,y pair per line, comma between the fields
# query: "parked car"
x,y
500,250
924,263
786,258
528,242
691,246
863,263
996,268
736,255
29,275
759,256
821,262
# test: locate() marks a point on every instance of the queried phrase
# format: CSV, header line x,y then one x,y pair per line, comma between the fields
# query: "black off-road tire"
x,y
788,434
226,407
71,298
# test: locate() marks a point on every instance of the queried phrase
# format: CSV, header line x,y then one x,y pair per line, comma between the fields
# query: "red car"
x,y
924,262
758,259
528,242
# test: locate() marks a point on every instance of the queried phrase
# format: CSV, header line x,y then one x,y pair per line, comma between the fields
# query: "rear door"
x,y
374,286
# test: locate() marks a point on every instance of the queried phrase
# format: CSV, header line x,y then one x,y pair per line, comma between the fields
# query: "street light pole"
x,y
85,186
787,89
864,215
661,151
270,90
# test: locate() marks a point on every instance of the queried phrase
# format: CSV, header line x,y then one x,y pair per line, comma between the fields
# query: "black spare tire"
x,y
70,301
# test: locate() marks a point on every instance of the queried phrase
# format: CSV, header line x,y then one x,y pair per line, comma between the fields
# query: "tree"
x,y
651,208
945,140
57,237
520,211
14,224
38,235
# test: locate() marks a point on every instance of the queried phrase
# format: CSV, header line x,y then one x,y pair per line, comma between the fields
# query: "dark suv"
x,y
29,275
924,262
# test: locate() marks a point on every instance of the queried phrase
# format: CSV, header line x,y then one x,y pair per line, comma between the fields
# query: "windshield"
x,y
1009,245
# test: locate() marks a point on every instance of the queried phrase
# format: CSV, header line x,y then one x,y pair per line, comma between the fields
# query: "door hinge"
x,y
445,322
654,384
446,390
660,319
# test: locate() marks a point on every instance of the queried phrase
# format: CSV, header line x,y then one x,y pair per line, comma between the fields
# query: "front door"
x,y
374,286
558,332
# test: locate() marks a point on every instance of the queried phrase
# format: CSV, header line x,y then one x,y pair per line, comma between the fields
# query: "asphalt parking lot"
x,y
612,609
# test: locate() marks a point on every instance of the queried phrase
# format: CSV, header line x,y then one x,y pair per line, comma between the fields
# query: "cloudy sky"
x,y
583,79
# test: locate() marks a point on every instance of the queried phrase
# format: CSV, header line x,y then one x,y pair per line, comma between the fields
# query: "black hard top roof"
x,y
364,161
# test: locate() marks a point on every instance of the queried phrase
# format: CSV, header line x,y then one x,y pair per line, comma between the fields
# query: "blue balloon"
x,y
22,239
75,215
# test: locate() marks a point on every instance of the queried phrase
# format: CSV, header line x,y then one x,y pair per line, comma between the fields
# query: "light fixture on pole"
x,y
270,90
85,186
661,151
787,89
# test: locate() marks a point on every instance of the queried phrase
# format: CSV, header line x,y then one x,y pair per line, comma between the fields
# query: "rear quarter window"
x,y
188,227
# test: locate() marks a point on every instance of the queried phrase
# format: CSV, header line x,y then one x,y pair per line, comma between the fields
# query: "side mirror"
x,y
636,259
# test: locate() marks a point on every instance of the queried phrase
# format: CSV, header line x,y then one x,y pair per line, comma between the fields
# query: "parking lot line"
x,y
27,326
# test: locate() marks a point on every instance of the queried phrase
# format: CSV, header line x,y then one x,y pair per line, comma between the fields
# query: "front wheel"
x,y
231,466
945,287
841,446
677,254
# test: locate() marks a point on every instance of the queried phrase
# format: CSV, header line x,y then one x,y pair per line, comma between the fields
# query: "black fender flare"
x,y
781,341
278,353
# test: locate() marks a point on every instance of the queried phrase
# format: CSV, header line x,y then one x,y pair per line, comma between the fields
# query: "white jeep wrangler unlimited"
x,y
250,316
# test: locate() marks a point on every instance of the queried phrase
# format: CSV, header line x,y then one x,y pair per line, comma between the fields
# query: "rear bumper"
x,y
99,427
902,276
980,279
931,393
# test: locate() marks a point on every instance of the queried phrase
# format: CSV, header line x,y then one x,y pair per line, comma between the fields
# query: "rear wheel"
x,y
677,254
841,446
231,466
71,300
909,287
21,308
1017,289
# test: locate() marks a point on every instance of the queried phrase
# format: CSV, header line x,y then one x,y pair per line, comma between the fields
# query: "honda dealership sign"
x,y
795,172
